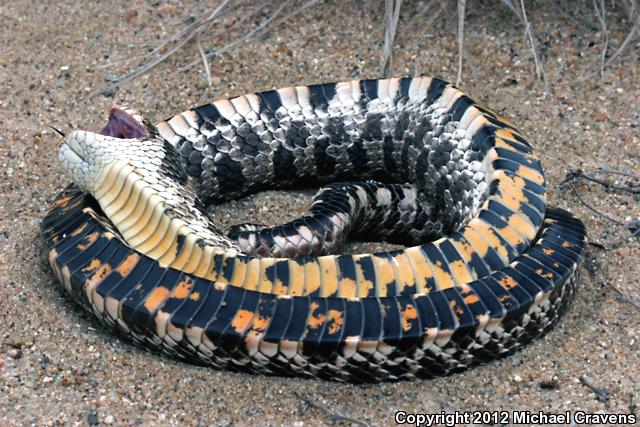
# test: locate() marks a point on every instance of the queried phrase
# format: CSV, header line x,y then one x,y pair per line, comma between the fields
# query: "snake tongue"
x,y
121,124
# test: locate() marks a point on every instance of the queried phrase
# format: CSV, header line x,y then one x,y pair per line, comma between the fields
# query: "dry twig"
x,y
461,8
333,415
624,297
633,12
633,226
529,33
205,61
601,393
391,17
579,174
591,208
261,29
180,39
195,32
602,17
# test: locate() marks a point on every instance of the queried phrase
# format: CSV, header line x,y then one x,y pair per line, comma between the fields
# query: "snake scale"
x,y
487,265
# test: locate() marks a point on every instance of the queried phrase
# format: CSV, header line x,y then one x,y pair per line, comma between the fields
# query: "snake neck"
x,y
161,220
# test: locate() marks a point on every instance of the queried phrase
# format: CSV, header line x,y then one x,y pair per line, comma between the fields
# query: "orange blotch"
x,y
548,251
155,298
241,321
128,264
103,271
471,299
334,317
93,265
315,321
455,308
508,283
408,314
443,278
260,324
566,245
79,230
460,272
531,174
88,241
548,275
63,201
280,289
182,289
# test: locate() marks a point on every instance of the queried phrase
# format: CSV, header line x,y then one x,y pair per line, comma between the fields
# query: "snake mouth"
x,y
124,123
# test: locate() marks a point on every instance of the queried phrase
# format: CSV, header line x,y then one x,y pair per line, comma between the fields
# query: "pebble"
x,y
109,419
92,419
15,342
14,353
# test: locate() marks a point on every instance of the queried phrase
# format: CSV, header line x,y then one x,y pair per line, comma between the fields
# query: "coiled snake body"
x,y
489,266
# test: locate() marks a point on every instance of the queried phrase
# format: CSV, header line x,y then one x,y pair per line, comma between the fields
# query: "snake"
x,y
485,267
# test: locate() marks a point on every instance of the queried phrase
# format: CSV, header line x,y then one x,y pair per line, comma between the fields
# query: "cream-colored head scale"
x,y
140,185
87,155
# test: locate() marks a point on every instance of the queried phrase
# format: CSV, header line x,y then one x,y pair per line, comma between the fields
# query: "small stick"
x,y
592,209
392,15
461,8
204,61
261,29
617,172
624,297
602,17
629,225
633,225
601,392
579,174
539,70
181,39
334,415
597,245
618,243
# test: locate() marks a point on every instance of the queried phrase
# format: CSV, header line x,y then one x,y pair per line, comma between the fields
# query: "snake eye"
x,y
122,124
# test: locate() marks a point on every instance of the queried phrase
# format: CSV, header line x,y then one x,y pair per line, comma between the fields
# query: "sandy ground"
x,y
59,366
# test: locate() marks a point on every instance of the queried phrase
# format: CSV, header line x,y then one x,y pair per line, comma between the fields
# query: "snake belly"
x,y
500,276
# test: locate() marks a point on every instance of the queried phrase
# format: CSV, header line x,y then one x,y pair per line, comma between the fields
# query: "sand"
x,y
58,365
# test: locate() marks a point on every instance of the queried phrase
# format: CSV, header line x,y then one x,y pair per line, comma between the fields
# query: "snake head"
x,y
85,155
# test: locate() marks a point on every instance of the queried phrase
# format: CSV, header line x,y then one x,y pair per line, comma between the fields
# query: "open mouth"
x,y
121,124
